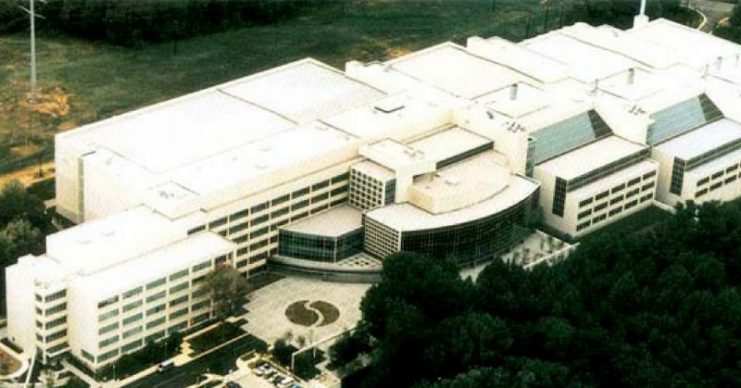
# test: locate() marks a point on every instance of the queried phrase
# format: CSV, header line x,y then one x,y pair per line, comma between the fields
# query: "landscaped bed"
x,y
8,363
214,337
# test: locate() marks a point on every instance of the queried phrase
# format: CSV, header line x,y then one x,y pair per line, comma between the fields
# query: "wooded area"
x,y
654,309
732,30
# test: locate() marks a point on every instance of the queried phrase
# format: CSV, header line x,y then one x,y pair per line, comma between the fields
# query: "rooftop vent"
x,y
513,90
389,106
631,76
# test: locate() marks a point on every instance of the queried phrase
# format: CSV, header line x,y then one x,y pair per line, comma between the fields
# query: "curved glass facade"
x,y
477,240
320,248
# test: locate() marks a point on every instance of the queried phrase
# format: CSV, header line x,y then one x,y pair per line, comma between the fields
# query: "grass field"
x,y
95,80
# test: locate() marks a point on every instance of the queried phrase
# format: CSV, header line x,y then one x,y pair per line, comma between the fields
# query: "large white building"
x,y
447,151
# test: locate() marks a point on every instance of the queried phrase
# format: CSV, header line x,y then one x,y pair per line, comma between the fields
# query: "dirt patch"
x,y
8,363
53,103
396,52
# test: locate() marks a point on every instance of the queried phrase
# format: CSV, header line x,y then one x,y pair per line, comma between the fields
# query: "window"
x,y
108,302
108,355
632,193
615,211
201,266
647,186
260,220
108,315
677,178
132,292
132,319
646,197
179,287
600,206
179,300
199,293
717,175
703,181
281,199
56,322
601,195
583,225
339,190
201,305
56,309
730,179
217,223
108,328
133,331
584,213
700,193
196,229
238,228
156,309
559,197
156,322
320,197
132,305
341,177
586,202
280,212
618,188
599,218
179,274
131,346
54,296
319,185
617,199
634,181
631,204
178,314
300,205
155,284
86,355
239,215
156,296
300,193
108,341
259,232
260,207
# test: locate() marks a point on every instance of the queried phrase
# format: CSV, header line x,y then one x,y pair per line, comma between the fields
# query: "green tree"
x,y
227,288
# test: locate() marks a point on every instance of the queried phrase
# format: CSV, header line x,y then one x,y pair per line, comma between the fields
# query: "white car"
x,y
286,382
262,370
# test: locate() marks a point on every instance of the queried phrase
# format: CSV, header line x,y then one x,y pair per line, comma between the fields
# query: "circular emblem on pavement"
x,y
312,313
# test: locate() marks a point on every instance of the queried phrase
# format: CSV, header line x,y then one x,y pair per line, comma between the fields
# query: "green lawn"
x,y
105,80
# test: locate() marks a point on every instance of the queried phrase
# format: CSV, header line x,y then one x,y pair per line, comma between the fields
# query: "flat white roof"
x,y
466,182
407,217
303,91
589,157
703,139
435,147
450,67
586,62
529,62
695,48
331,223
108,241
288,149
164,261
187,129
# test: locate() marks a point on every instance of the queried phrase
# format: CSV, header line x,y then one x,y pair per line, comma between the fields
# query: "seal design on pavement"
x,y
312,313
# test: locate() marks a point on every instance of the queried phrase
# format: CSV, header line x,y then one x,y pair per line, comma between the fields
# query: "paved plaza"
x,y
267,306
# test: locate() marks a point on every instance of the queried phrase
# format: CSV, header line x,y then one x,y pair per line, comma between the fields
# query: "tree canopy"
x,y
650,309
227,288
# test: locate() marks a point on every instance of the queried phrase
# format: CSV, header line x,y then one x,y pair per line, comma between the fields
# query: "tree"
x,y
16,204
646,309
227,288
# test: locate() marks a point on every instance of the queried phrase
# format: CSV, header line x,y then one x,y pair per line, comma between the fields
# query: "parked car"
x,y
167,365
263,369
286,382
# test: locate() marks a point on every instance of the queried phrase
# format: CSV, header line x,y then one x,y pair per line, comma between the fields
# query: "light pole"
x,y
32,15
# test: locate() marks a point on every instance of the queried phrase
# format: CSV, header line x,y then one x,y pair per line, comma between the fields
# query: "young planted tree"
x,y
227,288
